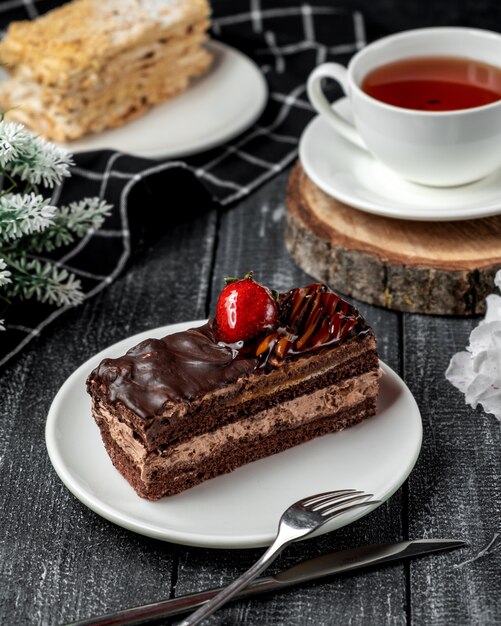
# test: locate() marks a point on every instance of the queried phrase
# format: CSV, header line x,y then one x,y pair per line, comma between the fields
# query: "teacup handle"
x,y
316,95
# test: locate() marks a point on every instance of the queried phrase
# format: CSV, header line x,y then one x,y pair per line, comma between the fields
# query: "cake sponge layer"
x,y
170,470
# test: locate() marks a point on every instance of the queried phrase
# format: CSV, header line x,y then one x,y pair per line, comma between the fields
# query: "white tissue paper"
x,y
477,371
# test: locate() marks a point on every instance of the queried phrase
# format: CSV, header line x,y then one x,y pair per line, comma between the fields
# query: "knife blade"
x,y
321,566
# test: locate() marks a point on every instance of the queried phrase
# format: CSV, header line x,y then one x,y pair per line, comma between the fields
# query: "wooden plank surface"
x,y
60,561
455,489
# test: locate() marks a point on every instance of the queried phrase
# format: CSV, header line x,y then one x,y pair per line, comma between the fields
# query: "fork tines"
x,y
323,502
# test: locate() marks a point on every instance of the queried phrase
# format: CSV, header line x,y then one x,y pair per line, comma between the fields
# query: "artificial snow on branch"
x,y
30,225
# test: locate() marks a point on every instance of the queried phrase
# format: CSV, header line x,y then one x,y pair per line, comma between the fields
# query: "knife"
x,y
333,563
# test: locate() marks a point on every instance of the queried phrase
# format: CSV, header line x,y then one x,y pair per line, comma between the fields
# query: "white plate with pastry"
x,y
215,108
146,71
240,509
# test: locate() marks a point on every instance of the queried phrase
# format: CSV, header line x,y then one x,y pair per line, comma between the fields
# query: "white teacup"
x,y
438,148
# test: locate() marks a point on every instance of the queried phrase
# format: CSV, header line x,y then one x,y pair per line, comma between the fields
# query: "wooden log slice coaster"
x,y
444,268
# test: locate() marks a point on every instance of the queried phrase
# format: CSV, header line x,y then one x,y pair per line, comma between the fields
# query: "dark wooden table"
x,y
60,561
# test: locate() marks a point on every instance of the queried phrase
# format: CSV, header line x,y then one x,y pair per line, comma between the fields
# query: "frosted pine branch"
x,y
85,214
43,280
30,224
74,220
24,214
13,142
32,159
5,276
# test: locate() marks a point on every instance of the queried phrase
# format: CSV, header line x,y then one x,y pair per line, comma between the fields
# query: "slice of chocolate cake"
x,y
176,411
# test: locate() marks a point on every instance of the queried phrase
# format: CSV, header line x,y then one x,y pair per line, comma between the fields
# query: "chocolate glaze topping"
x,y
187,364
177,367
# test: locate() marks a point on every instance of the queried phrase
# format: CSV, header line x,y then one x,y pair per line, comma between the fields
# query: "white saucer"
x,y
216,107
353,176
241,509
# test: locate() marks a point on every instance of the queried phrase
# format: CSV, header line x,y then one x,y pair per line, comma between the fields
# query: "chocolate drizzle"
x,y
185,365
310,318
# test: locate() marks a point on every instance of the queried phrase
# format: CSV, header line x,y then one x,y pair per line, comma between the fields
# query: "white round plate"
x,y
240,509
353,176
216,107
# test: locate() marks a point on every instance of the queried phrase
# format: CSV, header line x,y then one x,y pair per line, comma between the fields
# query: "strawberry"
x,y
244,310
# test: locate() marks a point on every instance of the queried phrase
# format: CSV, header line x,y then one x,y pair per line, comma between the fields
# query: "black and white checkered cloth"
x,y
287,39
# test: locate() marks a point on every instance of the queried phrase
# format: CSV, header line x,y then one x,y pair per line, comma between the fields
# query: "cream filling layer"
x,y
291,414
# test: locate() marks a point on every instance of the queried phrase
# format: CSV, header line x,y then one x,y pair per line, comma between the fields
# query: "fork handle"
x,y
228,592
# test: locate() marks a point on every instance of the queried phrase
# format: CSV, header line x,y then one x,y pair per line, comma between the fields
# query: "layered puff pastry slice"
x,y
96,64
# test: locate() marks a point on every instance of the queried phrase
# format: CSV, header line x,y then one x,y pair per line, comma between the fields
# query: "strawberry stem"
x,y
229,279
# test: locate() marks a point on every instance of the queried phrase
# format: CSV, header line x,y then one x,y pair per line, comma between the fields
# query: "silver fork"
x,y
298,521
